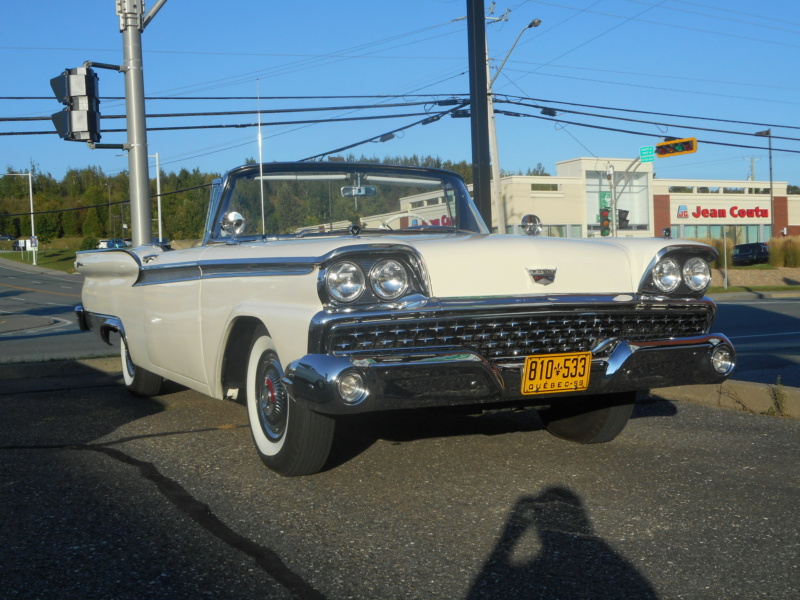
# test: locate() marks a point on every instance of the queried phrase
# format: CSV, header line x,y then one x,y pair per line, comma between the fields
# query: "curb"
x,y
754,398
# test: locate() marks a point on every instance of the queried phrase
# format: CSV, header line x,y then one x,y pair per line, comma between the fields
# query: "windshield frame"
x,y
452,186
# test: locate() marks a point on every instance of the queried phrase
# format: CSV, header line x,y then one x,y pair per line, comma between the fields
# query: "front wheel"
x,y
139,381
590,420
289,438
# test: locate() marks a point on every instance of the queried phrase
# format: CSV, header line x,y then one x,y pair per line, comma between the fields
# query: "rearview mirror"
x,y
349,191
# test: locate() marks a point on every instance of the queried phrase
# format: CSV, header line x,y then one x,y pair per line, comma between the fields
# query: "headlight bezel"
x,y
686,258
372,261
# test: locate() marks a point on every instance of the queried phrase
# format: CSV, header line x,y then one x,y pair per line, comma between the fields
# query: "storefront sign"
x,y
734,212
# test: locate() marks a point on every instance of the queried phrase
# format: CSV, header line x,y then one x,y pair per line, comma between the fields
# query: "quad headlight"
x,y
696,274
667,275
670,272
345,281
389,279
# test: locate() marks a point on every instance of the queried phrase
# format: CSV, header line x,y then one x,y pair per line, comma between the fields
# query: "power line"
x,y
661,124
239,125
253,112
639,133
650,112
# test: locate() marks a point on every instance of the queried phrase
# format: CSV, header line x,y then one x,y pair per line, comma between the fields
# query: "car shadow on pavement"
x,y
548,550
86,518
357,433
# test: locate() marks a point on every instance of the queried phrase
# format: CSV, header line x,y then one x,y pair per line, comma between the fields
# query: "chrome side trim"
x,y
150,275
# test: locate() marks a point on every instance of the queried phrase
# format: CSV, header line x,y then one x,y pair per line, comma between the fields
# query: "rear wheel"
x,y
289,438
593,420
139,381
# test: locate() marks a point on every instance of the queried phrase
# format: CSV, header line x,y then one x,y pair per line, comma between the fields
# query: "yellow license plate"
x,y
548,373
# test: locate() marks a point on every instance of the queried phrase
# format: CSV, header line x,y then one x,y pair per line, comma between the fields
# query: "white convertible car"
x,y
404,301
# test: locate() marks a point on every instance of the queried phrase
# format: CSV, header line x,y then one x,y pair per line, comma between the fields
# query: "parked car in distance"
x,y
6,237
750,254
323,290
21,244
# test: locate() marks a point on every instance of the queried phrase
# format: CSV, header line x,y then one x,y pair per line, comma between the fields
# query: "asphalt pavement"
x,y
109,496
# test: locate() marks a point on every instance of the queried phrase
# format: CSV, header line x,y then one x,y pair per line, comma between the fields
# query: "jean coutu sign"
x,y
732,212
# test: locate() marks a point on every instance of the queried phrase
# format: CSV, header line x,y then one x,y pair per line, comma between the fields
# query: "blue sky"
x,y
720,59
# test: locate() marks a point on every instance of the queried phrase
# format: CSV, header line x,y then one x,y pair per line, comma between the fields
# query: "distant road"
x,y
766,335
37,319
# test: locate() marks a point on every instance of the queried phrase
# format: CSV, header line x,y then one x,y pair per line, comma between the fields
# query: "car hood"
x,y
472,265
507,265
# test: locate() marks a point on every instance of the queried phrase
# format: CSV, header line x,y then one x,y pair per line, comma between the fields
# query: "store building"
x,y
569,203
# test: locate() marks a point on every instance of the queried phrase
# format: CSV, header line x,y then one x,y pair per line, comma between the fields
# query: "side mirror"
x,y
532,225
233,223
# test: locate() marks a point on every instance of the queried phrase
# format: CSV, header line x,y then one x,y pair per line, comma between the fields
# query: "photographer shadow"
x,y
548,550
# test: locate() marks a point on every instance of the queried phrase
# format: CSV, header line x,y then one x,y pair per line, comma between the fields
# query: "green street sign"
x,y
647,153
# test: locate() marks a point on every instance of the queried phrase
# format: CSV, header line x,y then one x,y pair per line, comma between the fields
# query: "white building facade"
x,y
569,203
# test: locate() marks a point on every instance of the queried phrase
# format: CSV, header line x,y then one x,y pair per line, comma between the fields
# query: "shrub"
x,y
89,243
717,244
784,252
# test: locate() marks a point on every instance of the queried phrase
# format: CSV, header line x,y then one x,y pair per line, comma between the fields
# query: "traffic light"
x,y
78,89
622,219
605,222
674,147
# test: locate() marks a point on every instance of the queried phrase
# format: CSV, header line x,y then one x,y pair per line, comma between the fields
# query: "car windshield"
x,y
286,200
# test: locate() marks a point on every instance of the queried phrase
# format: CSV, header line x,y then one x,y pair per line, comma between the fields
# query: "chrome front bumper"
x,y
465,377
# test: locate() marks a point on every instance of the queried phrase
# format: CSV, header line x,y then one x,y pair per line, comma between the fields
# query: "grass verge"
x,y
59,260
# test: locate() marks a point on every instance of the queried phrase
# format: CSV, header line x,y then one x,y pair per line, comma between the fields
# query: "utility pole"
x,y
498,202
132,22
479,114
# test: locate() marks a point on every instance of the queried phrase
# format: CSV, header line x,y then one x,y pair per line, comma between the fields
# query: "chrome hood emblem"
x,y
542,276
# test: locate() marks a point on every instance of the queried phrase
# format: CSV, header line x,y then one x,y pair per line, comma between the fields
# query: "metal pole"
x,y
771,193
479,115
130,14
33,230
498,202
497,193
768,134
158,193
29,175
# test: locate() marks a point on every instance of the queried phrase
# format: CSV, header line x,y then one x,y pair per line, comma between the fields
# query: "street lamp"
x,y
29,175
768,134
497,198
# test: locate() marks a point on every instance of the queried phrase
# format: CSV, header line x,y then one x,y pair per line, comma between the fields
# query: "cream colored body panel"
x,y
177,324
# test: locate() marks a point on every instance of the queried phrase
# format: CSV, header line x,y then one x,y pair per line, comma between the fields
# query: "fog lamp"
x,y
722,359
352,388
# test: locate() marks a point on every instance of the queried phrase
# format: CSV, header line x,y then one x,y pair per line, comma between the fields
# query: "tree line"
x,y
87,203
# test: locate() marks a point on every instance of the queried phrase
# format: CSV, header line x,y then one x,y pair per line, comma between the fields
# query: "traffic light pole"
x,y
614,192
130,21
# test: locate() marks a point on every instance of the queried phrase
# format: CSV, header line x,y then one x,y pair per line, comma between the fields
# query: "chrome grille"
x,y
514,335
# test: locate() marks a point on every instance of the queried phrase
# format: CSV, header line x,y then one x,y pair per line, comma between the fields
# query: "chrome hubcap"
x,y
272,400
